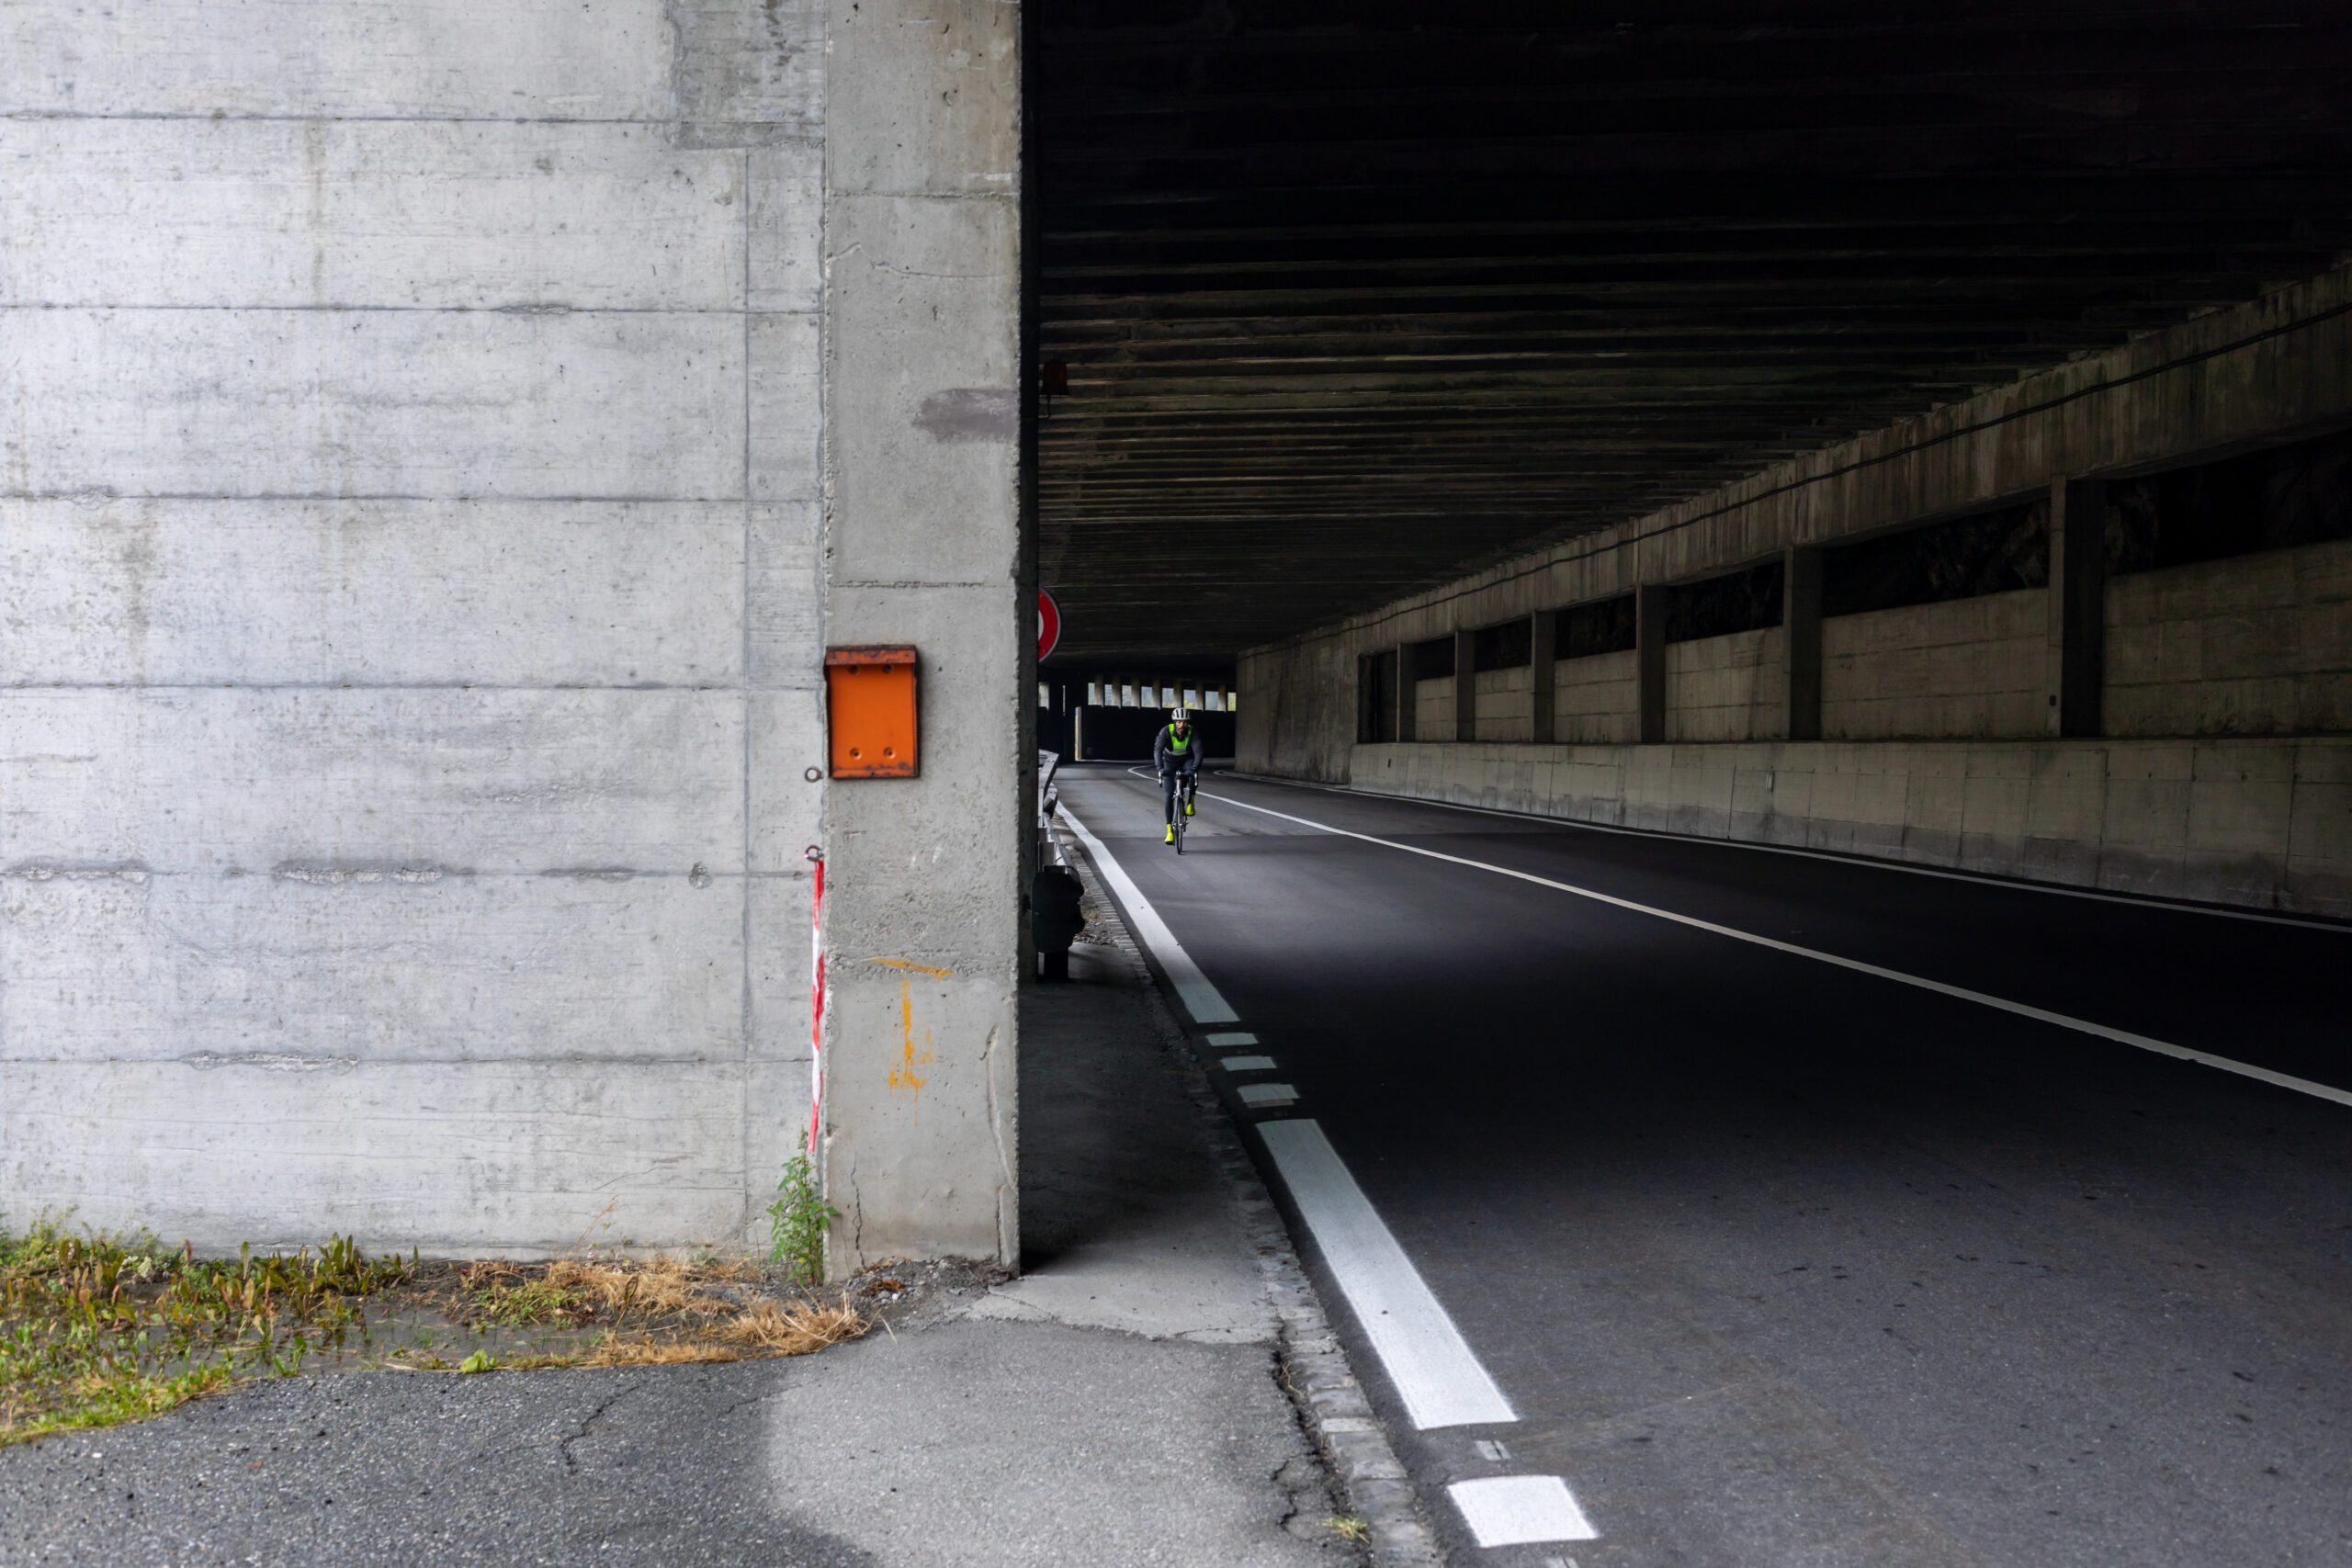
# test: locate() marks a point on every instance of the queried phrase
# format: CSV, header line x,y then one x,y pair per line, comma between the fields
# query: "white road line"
x,y
1267,1095
1865,862
1234,1037
1200,999
2121,1036
1518,1510
1436,1374
1247,1064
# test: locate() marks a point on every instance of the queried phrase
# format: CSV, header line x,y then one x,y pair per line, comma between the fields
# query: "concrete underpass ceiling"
x,y
1354,296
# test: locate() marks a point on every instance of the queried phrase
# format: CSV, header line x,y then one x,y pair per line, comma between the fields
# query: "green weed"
x,y
102,1327
797,1218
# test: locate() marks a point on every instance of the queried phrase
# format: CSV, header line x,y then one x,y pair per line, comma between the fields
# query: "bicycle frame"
x,y
1187,783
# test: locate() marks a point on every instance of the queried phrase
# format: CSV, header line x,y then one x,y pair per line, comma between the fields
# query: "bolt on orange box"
x,y
870,711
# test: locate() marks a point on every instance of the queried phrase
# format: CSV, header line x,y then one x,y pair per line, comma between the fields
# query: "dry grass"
x,y
649,1353
659,1285
796,1330
665,1287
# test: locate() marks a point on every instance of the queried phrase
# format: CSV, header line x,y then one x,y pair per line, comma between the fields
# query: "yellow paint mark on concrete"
x,y
904,1076
918,968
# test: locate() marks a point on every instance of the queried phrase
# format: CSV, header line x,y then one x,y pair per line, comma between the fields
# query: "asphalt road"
x,y
1784,1263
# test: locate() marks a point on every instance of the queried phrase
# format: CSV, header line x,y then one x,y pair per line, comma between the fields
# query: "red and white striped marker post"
x,y
816,1003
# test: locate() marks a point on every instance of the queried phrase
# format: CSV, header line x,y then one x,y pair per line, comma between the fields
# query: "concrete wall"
x,y
413,578
1593,699
1964,669
1725,688
1505,699
2232,822
1433,706
2261,645
2258,644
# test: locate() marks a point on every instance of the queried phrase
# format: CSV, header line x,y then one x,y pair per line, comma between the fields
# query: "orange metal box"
x,y
870,710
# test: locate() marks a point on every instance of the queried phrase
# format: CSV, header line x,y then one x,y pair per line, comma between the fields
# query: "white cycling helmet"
x,y
1181,715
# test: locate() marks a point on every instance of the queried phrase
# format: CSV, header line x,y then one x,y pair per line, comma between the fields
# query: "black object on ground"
x,y
1054,918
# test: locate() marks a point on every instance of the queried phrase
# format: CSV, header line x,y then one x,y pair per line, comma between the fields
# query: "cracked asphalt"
x,y
1118,1405
963,1442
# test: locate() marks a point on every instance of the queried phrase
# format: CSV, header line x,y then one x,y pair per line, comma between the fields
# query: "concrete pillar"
x,y
924,547
1401,699
1540,653
1649,662
1465,685
2078,605
1409,677
1801,639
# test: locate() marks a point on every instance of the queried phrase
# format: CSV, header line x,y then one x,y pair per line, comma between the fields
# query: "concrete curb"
x,y
1314,1370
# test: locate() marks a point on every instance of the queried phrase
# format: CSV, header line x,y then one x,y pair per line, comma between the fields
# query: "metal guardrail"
x,y
1049,847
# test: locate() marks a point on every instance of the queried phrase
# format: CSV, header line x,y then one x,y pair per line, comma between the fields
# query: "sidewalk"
x,y
1119,1404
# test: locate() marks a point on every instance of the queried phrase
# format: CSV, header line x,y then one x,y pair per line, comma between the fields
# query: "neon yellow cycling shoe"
x,y
1171,834
1188,808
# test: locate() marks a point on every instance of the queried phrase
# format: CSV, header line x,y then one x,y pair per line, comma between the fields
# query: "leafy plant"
x,y
797,1218
101,1326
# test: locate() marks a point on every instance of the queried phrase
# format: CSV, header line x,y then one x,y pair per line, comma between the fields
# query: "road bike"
x,y
1186,785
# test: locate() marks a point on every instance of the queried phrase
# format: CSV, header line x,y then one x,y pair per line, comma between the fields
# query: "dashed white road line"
x,y
2043,1015
1520,1510
1201,999
1438,1377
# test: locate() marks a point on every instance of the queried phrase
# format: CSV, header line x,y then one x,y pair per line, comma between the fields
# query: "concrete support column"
x,y
1409,677
1801,639
1649,663
1465,685
1540,653
922,546
2078,663
1400,697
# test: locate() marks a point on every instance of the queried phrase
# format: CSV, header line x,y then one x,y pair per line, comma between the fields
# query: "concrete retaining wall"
x,y
408,433
1506,703
2252,646
1593,699
2258,822
1965,669
1725,688
2261,644
1433,708
415,571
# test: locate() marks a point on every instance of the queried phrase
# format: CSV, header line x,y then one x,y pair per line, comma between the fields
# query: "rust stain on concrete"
x,y
904,1076
910,964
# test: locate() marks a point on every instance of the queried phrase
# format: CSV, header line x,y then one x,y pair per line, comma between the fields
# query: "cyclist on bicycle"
x,y
1176,754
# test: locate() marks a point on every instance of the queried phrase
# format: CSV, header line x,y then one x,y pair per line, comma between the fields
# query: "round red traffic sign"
x,y
1050,624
